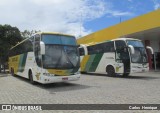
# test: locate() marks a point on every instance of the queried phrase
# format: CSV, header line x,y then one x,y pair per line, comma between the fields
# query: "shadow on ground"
x,y
63,87
56,87
120,76
4,75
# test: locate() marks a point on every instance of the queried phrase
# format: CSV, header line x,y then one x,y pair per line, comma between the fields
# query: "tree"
x,y
27,33
9,36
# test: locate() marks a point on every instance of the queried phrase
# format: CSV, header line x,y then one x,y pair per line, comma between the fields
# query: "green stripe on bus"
x,y
88,64
95,62
22,62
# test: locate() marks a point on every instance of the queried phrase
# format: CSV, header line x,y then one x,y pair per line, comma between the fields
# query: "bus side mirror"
x,y
42,48
131,49
150,48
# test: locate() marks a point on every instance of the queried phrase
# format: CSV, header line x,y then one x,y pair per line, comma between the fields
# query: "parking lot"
x,y
141,88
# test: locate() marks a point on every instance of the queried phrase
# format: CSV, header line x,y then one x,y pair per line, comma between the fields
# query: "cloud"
x,y
66,16
119,13
156,4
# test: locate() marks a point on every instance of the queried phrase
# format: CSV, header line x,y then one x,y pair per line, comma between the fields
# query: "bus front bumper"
x,y
55,79
139,70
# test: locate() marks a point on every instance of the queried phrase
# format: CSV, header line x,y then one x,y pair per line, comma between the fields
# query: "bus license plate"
x,y
64,78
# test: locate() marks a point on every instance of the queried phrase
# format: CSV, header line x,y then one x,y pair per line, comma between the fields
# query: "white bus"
x,y
46,58
120,56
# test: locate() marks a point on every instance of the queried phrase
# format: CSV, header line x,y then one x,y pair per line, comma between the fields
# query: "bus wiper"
x,y
68,58
57,64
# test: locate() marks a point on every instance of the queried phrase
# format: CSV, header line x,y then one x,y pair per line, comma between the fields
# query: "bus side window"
x,y
90,50
95,49
28,46
81,51
37,38
109,47
98,48
120,44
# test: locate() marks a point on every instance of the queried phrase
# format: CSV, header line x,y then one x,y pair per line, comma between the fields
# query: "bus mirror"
x,y
131,49
42,48
150,48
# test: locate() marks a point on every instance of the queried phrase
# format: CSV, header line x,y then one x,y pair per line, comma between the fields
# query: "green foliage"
x,y
27,33
9,36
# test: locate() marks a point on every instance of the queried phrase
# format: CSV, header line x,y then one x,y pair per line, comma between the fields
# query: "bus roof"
x,y
94,43
53,33
125,39
40,33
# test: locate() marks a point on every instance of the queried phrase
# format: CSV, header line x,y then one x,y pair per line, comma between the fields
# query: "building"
x,y
145,27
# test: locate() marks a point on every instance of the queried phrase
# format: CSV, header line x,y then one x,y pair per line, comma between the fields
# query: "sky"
x,y
75,17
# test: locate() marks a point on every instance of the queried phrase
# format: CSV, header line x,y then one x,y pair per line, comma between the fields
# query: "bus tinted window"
x,y
81,51
37,37
108,47
28,47
120,44
95,49
101,48
91,50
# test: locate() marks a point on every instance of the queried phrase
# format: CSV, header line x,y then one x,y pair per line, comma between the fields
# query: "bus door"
x,y
122,55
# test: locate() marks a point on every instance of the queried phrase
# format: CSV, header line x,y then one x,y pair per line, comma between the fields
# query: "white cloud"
x,y
67,16
51,15
156,4
119,13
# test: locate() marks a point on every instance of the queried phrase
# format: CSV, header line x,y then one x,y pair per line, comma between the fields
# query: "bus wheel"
x,y
111,71
12,72
125,74
31,77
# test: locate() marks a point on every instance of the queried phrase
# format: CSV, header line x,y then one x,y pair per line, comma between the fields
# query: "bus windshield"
x,y
140,55
61,52
59,39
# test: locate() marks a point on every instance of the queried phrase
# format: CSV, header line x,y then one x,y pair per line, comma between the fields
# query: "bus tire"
x,y
125,74
31,77
111,71
12,72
